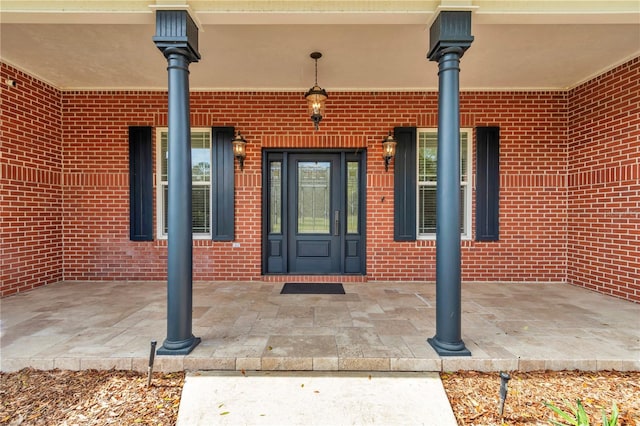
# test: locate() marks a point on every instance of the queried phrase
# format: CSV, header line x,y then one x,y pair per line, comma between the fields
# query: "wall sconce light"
x,y
239,144
316,96
388,150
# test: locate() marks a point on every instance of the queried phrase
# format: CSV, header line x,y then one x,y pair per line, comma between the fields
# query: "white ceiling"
x,y
261,51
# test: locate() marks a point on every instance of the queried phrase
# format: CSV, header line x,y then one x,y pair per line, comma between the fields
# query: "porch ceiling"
x,y
366,45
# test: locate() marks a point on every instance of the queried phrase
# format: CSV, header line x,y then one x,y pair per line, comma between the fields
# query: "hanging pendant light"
x,y
316,96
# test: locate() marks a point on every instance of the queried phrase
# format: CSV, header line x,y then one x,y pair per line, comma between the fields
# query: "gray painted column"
x,y
174,37
450,37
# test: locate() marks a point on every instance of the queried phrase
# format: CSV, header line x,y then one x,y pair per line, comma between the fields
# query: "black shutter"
x,y
140,184
404,187
223,185
488,184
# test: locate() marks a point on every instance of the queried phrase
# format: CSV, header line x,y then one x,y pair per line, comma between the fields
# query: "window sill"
x,y
193,237
433,238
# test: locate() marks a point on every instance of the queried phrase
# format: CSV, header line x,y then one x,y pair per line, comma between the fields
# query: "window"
x,y
201,182
428,182
275,197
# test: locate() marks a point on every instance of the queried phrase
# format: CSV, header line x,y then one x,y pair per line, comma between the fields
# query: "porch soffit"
x,y
265,45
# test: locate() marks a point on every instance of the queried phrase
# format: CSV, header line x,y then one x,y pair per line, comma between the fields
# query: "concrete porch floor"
x,y
374,327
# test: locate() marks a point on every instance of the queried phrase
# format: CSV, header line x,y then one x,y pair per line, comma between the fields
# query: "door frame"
x,y
348,266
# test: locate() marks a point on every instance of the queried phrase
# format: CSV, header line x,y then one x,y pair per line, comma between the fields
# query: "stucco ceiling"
x,y
361,51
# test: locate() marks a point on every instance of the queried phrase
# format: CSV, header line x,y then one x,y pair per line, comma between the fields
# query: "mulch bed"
x,y
91,397
32,397
475,396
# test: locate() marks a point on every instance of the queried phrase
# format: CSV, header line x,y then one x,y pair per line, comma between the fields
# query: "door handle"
x,y
336,222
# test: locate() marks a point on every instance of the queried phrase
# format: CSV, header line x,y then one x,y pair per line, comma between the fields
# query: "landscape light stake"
x,y
504,378
152,357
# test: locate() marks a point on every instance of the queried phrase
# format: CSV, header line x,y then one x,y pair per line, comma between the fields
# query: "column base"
x,y
448,349
179,348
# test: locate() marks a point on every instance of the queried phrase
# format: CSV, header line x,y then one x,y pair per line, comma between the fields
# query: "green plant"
x,y
578,416
613,420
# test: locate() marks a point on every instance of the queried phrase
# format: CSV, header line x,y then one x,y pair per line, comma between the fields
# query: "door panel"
x,y
314,209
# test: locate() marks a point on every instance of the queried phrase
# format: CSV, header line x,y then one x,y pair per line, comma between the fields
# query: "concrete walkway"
x,y
374,327
312,398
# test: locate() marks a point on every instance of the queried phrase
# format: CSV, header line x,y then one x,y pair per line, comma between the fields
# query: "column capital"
x,y
451,29
176,31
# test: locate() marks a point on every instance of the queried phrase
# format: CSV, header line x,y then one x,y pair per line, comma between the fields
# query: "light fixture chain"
x,y
316,71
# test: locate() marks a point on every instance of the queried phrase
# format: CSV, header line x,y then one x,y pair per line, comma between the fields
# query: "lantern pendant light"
x,y
316,96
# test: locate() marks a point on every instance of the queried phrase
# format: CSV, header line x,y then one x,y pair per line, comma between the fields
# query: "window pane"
x,y
164,147
353,202
314,180
201,156
427,156
463,192
165,208
463,157
427,210
200,209
275,197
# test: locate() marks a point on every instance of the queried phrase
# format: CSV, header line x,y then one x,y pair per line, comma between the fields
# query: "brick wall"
x,y
604,183
534,155
547,149
30,183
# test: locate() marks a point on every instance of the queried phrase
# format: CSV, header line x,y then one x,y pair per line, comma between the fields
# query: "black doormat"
x,y
312,288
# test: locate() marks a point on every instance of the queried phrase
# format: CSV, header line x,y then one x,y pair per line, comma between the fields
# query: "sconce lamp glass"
x,y
388,150
239,149
316,97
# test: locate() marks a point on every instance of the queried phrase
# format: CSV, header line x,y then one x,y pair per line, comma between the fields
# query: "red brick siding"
x,y
30,183
96,185
533,126
569,198
604,183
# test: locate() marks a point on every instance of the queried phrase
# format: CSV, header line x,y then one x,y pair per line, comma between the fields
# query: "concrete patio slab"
x,y
379,326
